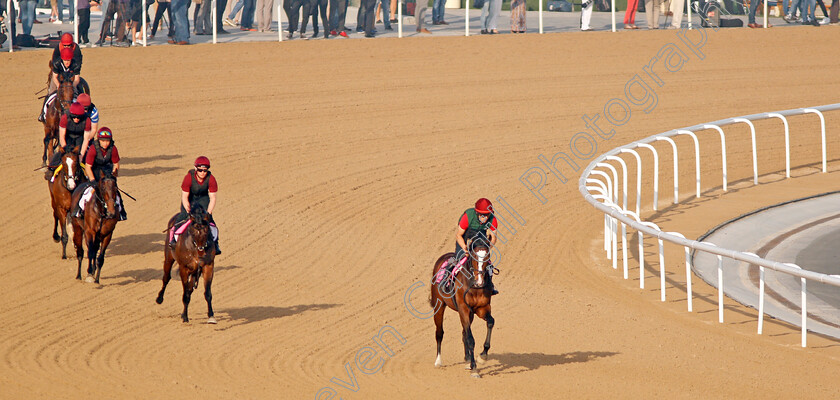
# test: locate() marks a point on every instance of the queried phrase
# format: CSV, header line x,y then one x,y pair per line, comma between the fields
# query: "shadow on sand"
x,y
512,363
142,243
247,315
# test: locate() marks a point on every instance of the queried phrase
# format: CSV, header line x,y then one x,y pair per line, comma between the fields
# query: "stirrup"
x,y
218,250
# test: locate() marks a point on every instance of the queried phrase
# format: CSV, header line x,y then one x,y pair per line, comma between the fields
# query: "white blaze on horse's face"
x,y
482,258
71,179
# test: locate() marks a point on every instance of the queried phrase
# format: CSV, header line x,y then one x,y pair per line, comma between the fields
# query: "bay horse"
x,y
61,191
195,252
468,296
55,110
95,225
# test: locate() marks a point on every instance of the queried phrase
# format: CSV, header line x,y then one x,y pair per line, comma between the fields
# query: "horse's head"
x,y
199,227
65,88
70,164
479,259
107,191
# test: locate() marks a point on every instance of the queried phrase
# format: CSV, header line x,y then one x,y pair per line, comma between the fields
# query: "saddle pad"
x,y
183,227
85,197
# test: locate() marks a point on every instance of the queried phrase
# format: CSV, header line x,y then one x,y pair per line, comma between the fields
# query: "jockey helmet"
x,y
77,110
483,206
104,133
84,99
66,54
66,39
202,161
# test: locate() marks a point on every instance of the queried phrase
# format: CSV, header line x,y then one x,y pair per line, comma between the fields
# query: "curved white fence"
x,y
600,186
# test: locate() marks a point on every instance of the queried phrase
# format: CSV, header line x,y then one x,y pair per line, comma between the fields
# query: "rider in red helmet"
x,y
477,222
74,133
61,56
199,187
67,57
102,159
92,111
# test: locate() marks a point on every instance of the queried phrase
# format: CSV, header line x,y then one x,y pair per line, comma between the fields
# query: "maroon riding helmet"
x,y
483,206
84,99
202,162
77,110
104,133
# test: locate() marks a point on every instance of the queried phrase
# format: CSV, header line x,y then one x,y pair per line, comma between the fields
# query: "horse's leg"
x,y
100,261
48,151
186,282
93,248
167,271
56,238
80,252
484,313
467,353
63,217
469,341
439,332
208,296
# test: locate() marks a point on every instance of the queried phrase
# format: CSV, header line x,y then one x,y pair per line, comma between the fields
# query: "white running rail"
x,y
599,185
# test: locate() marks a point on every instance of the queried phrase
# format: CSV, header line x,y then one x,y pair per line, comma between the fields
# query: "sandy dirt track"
x,y
343,166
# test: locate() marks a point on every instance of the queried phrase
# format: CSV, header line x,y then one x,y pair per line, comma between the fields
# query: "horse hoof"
x,y
467,366
159,300
63,257
89,279
475,375
211,320
438,363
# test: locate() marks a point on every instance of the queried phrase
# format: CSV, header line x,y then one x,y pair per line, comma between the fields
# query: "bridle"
x,y
63,84
103,213
200,226
70,173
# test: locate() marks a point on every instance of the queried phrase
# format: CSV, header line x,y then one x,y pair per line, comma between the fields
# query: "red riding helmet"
x,y
483,206
202,161
77,110
104,133
84,99
66,54
66,39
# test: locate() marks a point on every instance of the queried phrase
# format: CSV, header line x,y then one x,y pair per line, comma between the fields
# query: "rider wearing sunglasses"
x,y
74,131
199,186
480,221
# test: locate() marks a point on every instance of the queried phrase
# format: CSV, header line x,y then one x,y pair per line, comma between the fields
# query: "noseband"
x,y
104,213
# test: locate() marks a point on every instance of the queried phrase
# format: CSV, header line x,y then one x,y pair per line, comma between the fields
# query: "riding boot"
x,y
490,284
218,250
41,116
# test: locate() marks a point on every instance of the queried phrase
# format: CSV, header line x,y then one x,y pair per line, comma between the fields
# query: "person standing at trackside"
x,y
677,8
293,11
199,187
369,17
630,14
586,14
489,18
438,7
652,13
180,9
162,5
246,22
84,20
264,10
338,13
420,16
477,222
518,10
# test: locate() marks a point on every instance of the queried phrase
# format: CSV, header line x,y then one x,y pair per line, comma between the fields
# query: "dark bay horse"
x,y
95,225
55,110
195,253
468,296
61,191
